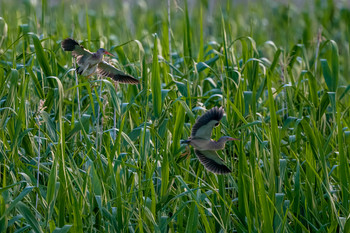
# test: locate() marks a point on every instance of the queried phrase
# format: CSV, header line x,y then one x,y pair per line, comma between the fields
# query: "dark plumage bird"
x,y
90,63
204,147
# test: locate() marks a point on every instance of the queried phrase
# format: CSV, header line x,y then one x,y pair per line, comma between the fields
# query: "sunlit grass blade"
x,y
155,80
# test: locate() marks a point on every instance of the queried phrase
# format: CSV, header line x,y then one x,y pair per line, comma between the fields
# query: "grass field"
x,y
87,155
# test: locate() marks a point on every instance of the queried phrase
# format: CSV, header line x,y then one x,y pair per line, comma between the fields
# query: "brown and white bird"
x,y
204,147
90,63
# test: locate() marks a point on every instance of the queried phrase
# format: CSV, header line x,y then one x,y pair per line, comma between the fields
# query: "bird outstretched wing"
x,y
212,162
78,51
108,70
205,124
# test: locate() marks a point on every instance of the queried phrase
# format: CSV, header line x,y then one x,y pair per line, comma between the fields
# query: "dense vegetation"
x,y
86,155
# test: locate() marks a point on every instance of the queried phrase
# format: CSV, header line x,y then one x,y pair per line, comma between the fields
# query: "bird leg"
x,y
116,86
187,153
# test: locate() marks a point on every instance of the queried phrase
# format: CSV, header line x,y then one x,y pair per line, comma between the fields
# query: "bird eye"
x,y
217,124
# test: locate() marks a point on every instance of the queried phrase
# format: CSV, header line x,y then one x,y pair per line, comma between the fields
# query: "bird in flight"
x,y
204,147
90,63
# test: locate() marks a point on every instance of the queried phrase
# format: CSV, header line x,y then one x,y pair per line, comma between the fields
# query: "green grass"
x,y
109,155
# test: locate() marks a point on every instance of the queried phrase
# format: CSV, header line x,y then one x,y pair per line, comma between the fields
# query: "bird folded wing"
x,y
212,162
108,70
205,124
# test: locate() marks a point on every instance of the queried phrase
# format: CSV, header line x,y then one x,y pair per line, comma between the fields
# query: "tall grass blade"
x,y
155,80
28,215
41,55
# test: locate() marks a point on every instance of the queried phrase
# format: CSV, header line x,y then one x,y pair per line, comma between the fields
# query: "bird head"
x,y
103,51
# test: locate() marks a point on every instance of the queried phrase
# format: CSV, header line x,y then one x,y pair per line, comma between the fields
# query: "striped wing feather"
x,y
108,70
212,162
205,124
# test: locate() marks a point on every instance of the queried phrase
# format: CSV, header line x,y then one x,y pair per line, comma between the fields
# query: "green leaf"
x,y
14,203
41,55
64,229
155,81
327,74
178,127
29,216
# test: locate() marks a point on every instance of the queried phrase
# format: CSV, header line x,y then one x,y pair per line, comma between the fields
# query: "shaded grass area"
x,y
89,156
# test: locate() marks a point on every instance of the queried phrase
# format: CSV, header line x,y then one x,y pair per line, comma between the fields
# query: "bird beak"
x,y
233,139
108,53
